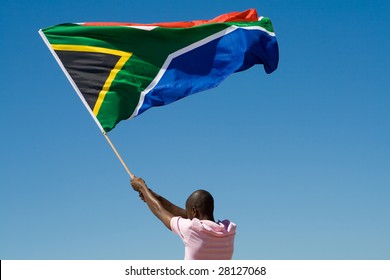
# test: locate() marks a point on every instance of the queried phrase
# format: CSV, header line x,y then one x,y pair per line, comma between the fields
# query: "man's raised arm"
x,y
162,208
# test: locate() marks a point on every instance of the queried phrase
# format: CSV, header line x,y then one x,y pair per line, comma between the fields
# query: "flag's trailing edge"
x,y
120,70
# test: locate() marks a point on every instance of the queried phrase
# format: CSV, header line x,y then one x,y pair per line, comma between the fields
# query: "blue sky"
x,y
299,159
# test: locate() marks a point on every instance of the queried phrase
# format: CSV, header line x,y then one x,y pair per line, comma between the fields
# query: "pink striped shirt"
x,y
205,240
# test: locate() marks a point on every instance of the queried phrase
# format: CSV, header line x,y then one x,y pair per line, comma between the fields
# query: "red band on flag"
x,y
248,15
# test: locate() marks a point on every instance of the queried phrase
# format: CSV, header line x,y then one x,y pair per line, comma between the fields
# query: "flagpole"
x,y
118,155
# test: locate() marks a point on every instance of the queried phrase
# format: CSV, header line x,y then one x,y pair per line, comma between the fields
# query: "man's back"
x,y
204,239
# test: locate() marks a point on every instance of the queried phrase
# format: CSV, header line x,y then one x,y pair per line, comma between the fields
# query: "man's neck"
x,y
207,217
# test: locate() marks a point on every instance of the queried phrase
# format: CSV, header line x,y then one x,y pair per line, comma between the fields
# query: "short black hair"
x,y
202,200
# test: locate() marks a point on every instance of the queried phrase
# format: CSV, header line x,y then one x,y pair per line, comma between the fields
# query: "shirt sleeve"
x,y
175,225
181,227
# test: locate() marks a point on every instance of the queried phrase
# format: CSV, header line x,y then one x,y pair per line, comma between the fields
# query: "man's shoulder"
x,y
178,223
229,225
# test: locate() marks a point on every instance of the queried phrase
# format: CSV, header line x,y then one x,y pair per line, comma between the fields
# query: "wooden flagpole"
x,y
118,155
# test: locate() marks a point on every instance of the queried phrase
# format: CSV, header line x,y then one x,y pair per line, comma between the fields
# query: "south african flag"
x,y
120,70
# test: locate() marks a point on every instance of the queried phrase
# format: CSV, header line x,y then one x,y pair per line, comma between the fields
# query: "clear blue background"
x,y
299,159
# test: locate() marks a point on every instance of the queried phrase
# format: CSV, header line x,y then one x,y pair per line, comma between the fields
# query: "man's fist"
x,y
138,184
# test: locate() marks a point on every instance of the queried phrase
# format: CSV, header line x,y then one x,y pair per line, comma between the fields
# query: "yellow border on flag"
x,y
124,57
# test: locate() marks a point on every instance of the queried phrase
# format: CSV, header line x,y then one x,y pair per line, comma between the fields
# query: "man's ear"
x,y
195,212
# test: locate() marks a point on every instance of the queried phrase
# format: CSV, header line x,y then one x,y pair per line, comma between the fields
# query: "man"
x,y
204,239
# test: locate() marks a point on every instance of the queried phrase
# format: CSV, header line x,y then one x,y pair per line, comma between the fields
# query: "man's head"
x,y
200,204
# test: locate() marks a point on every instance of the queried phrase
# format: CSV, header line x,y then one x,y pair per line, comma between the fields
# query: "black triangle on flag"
x,y
89,71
